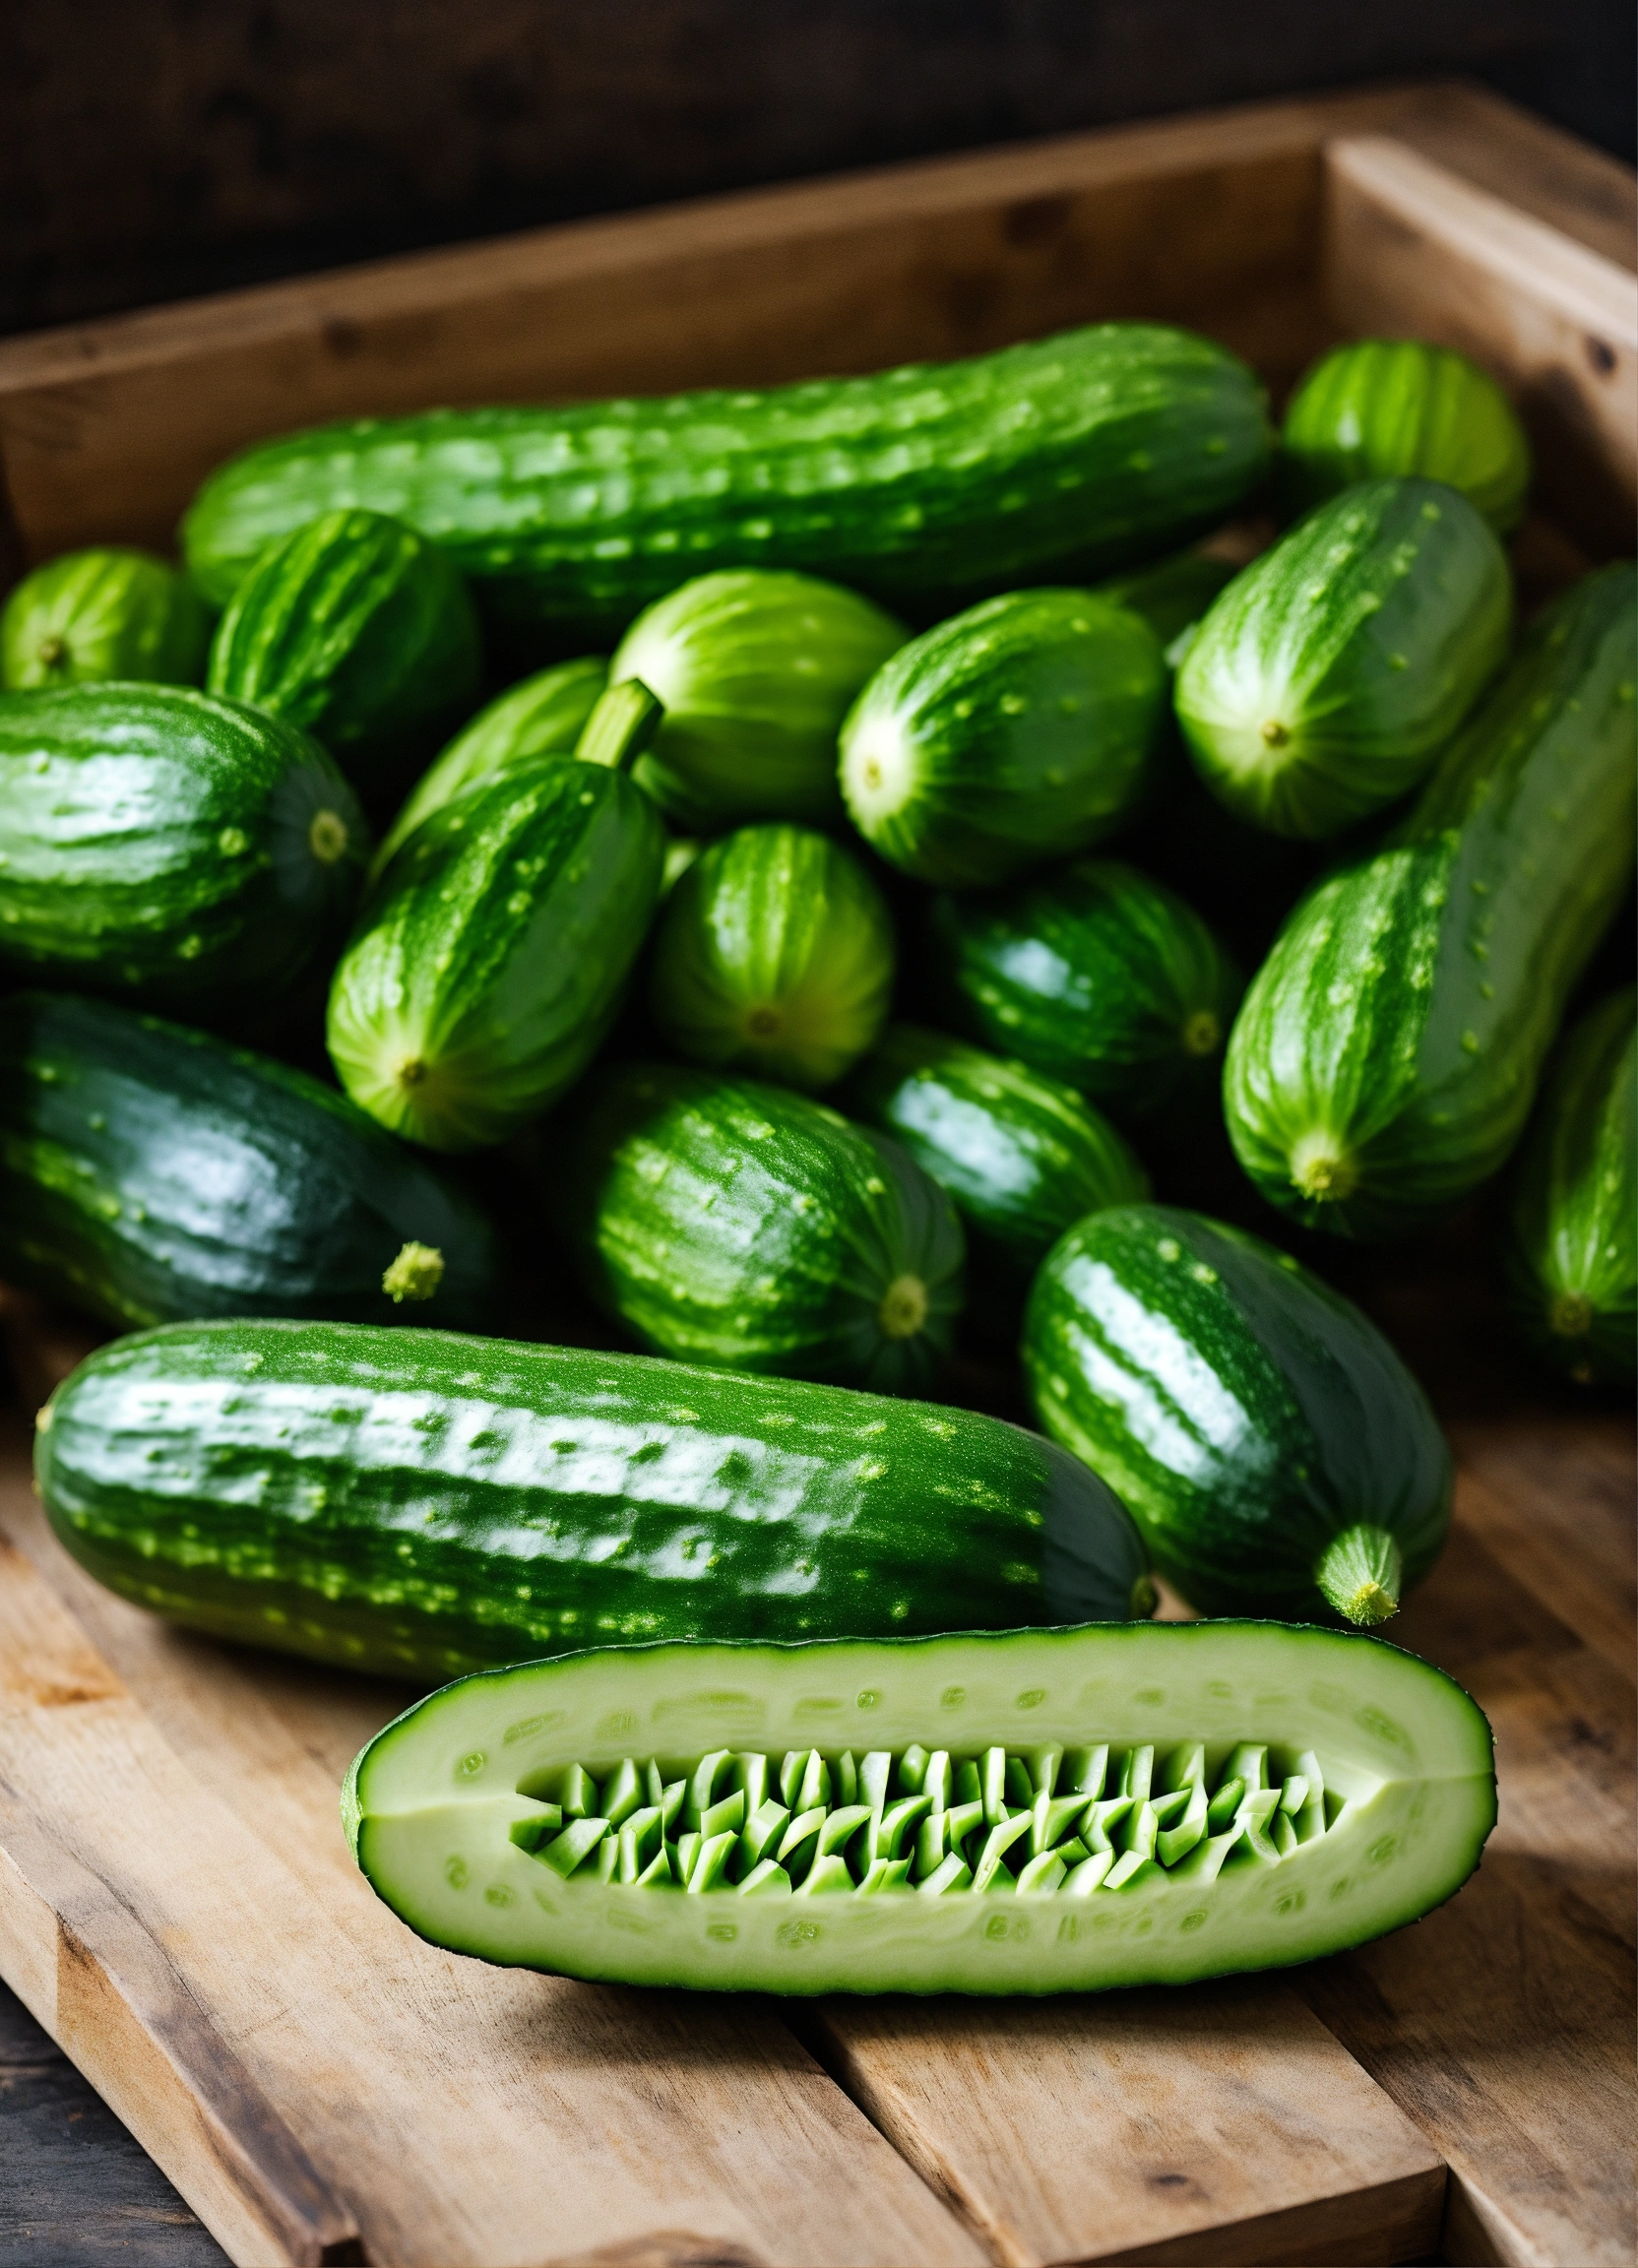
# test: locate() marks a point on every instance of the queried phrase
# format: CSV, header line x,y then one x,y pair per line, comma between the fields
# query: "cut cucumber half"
x,y
1153,1803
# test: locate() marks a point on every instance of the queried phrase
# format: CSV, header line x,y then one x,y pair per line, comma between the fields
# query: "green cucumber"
x,y
756,672
1171,594
1385,407
148,1173
488,967
924,485
775,955
361,631
1273,1448
1387,1055
1096,976
1573,1248
730,1222
1328,676
158,843
420,1503
108,612
600,1816
1016,734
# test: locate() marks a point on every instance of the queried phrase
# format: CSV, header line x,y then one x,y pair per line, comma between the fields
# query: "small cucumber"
x,y
1171,596
108,612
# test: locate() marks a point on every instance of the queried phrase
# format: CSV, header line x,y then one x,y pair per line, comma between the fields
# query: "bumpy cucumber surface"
x,y
1387,1055
924,486
1157,1804
157,842
1015,734
421,1504
108,612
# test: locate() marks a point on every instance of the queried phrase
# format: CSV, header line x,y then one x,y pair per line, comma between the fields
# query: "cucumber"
x,y
1276,1453
108,612
158,843
488,966
775,955
924,485
1328,676
1015,734
542,716
755,671
419,1502
1385,1060
730,1222
1096,976
148,1173
1171,594
1384,407
361,631
1176,1803
1573,1248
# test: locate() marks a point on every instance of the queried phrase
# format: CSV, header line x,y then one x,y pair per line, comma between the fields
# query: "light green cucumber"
x,y
108,612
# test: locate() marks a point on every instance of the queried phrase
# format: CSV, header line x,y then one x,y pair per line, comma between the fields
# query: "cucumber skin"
x,y
1574,1214
384,1499
149,1173
921,487
1381,407
1025,726
1472,925
1366,635
115,612
155,842
737,1223
1244,1412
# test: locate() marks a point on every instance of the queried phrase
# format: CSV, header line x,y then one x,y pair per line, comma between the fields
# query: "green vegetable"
x,y
1013,735
1177,1803
1381,407
1328,676
103,613
1385,1060
148,1173
488,966
157,842
924,485
1573,1250
426,1503
361,631
1276,1453
1170,596
1096,976
730,1222
775,955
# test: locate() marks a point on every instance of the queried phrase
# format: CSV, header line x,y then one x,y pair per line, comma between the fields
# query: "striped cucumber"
x,y
108,612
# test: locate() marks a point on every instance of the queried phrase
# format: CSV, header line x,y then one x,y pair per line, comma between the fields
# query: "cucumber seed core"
x,y
327,837
903,1308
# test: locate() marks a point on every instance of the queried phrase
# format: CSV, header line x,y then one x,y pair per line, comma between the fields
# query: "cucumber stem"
x,y
327,837
623,720
903,1308
1322,1169
1362,1573
415,1274
1570,1315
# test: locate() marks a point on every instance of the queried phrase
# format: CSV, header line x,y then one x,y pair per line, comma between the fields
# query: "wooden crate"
x,y
176,1902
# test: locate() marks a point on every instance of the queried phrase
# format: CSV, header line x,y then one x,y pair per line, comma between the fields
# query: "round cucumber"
x,y
1013,735
108,612
1331,672
775,955
755,671
1385,407
736,1223
1276,1453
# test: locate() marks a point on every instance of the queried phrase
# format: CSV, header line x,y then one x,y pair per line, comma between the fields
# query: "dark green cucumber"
x,y
1328,676
1573,1249
1275,1451
1015,734
775,955
1382,406
1170,596
109,612
1175,1803
419,1502
726,1221
756,672
1387,1055
361,631
1096,976
924,485
157,842
148,1173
